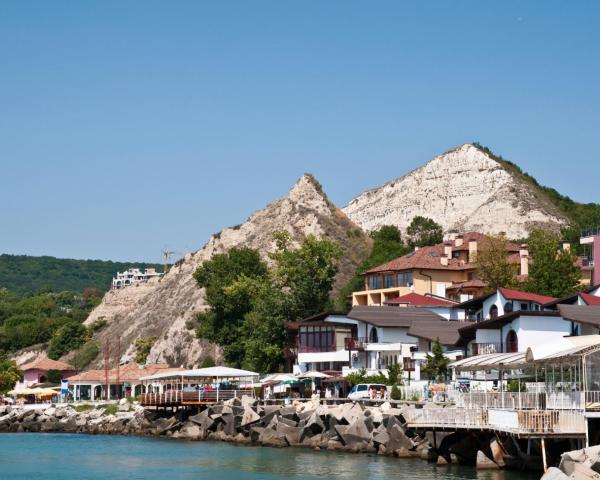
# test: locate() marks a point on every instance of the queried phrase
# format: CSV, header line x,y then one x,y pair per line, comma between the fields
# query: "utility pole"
x,y
106,361
118,368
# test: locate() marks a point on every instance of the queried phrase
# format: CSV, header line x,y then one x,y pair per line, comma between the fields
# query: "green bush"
x,y
68,337
85,355
207,362
395,394
54,376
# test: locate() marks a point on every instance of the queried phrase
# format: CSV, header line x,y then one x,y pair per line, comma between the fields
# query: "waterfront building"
x,y
134,276
122,382
37,371
372,338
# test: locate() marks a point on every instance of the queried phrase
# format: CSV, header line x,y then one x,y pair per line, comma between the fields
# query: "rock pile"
x,y
577,465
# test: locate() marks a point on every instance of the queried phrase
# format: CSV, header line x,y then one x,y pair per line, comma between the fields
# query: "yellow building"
x,y
445,270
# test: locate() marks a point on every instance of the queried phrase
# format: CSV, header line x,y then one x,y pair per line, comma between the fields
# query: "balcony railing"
x,y
316,348
492,347
355,343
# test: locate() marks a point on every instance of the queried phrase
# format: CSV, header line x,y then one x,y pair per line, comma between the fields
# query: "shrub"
x,y
85,355
70,336
143,347
395,394
54,376
207,362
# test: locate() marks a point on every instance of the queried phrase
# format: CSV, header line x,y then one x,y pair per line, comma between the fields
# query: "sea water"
x,y
53,456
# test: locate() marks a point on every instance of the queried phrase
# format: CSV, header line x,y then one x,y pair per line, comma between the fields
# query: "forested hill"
x,y
24,274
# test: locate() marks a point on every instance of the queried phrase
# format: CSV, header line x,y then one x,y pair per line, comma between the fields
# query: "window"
x,y
524,306
405,279
493,311
373,337
361,388
512,344
374,282
388,281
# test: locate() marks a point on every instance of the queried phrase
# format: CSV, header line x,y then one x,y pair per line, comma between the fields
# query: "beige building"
x,y
445,270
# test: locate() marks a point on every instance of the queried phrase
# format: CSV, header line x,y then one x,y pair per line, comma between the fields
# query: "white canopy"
x,y
490,361
314,374
211,372
562,348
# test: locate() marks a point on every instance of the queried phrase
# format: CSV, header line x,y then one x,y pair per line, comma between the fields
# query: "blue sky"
x,y
127,127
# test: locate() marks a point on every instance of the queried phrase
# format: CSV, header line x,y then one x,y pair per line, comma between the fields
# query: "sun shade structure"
x,y
211,372
490,361
314,374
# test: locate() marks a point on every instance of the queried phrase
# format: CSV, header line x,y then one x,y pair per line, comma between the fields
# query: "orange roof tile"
x,y
47,364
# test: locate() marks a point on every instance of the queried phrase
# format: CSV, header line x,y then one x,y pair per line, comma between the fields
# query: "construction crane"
x,y
167,254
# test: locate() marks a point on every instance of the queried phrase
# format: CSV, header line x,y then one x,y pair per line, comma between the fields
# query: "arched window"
x,y
508,307
512,343
373,337
493,311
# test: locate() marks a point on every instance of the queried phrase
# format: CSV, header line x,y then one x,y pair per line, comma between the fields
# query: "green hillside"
x,y
582,215
25,274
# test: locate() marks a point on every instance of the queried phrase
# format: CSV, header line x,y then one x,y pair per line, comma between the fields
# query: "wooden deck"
x,y
201,397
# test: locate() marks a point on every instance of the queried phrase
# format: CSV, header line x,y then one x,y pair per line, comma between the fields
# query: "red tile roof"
x,y
127,373
525,296
429,257
47,364
415,300
590,299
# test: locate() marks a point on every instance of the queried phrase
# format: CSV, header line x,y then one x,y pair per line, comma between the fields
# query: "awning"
x,y
314,374
211,372
490,361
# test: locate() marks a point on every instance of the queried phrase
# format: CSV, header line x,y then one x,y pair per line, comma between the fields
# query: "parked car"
x,y
368,391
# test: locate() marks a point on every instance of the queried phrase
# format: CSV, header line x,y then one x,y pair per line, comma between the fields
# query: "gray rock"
x,y
484,463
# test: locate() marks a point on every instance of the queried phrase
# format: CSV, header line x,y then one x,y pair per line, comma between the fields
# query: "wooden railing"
x,y
177,397
510,421
355,343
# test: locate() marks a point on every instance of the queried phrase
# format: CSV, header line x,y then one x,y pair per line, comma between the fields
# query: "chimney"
x,y
524,256
458,241
472,250
448,250
444,261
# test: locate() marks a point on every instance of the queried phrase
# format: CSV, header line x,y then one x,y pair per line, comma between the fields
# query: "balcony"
x,y
316,348
355,343
492,347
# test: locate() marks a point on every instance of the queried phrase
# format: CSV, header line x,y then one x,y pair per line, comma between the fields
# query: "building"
x,y
443,270
590,239
442,306
510,321
134,276
124,382
37,371
372,338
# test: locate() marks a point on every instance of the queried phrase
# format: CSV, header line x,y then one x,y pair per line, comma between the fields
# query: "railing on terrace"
x,y
355,343
485,348
592,400
316,349
175,397
526,400
510,421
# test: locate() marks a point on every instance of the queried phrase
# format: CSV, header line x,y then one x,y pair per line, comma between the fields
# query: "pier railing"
x,y
509,421
527,400
177,397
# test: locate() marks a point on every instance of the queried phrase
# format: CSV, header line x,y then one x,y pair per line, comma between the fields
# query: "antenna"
x,y
166,255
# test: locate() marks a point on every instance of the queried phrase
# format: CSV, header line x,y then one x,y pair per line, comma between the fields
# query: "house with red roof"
x,y
37,371
444,270
441,306
508,321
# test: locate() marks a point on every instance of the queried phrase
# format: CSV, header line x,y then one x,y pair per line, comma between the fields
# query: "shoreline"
x,y
346,428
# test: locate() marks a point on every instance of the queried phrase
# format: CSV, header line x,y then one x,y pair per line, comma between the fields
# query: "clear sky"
x,y
131,126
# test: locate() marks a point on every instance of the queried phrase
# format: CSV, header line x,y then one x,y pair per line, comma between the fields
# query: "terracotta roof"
x,y
429,257
127,373
415,300
589,315
47,364
590,299
524,296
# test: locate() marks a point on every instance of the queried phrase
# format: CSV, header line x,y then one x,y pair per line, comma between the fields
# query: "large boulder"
x,y
485,463
398,439
249,416
354,435
272,438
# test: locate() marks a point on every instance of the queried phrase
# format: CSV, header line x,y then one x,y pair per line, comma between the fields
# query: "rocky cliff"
x,y
463,189
162,308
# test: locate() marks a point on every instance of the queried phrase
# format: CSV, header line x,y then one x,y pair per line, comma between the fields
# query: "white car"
x,y
368,391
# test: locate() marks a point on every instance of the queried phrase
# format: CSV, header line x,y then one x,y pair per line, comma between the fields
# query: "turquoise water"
x,y
33,456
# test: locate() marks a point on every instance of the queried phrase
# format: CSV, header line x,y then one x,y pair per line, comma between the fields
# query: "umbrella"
x,y
279,377
314,374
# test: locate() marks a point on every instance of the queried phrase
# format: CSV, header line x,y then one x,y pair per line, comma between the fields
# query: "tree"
x,y
493,267
394,374
423,231
387,245
70,336
143,347
54,376
305,274
553,271
437,364
10,374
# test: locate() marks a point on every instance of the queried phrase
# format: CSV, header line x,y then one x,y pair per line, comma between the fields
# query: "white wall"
x,y
487,336
535,330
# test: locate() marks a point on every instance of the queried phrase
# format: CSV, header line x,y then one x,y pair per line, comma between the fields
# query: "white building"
x,y
373,338
133,276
